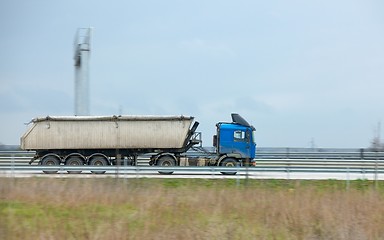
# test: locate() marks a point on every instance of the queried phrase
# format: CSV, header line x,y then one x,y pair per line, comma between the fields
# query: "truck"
x,y
114,140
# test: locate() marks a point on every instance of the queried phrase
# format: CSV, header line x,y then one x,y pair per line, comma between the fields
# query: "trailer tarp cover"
x,y
110,118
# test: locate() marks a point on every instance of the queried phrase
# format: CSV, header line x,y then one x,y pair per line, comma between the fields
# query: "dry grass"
x,y
182,209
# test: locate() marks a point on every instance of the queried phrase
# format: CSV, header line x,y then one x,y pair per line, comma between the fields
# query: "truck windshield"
x,y
253,136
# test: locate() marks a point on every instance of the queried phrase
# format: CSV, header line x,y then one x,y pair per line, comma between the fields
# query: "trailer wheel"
x,y
74,161
229,162
166,161
50,161
98,161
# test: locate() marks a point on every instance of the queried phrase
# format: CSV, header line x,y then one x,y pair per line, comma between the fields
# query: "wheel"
x,y
74,161
98,161
229,162
166,161
50,161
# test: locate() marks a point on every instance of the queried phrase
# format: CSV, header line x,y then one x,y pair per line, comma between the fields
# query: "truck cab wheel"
x,y
229,162
166,161
50,161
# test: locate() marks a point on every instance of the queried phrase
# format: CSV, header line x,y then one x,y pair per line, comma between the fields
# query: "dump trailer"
x,y
112,140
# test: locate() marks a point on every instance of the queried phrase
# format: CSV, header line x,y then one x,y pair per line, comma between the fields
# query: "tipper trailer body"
x,y
110,140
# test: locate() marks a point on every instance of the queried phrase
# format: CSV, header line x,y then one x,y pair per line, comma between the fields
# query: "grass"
x,y
41,208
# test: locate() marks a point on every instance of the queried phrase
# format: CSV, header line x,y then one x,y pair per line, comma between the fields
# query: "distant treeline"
x,y
9,147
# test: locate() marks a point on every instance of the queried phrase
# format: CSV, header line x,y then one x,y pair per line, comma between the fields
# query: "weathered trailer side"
x,y
116,132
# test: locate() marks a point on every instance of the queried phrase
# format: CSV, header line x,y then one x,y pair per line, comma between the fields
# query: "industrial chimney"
x,y
82,49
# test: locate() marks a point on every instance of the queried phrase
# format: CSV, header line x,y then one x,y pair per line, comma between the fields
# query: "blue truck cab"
x,y
235,142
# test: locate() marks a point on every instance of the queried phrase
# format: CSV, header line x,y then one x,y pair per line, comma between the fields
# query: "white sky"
x,y
299,71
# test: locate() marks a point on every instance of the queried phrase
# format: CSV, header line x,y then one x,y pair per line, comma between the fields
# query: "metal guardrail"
x,y
202,170
306,153
268,160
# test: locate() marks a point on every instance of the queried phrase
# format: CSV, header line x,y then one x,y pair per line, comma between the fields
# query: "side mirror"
x,y
215,140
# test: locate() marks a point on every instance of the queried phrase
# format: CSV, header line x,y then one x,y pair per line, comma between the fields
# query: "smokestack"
x,y
82,48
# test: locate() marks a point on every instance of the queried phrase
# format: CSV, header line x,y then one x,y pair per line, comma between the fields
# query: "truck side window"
x,y
239,135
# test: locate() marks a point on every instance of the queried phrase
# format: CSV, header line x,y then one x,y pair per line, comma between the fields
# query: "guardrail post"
x,y
361,153
348,180
376,170
137,170
125,169
238,175
247,172
288,173
118,164
13,165
61,170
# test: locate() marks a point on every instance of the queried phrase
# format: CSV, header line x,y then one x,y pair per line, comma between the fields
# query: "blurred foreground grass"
x,y
42,208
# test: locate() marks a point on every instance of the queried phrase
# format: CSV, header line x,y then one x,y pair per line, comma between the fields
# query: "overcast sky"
x,y
302,72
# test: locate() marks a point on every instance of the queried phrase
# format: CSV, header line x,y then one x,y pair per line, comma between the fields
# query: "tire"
x,y
50,161
98,161
166,161
74,161
229,162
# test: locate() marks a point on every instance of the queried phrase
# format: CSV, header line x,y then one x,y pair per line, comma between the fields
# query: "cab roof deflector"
x,y
236,118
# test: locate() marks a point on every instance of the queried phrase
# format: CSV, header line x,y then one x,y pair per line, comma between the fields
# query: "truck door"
x,y
241,142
